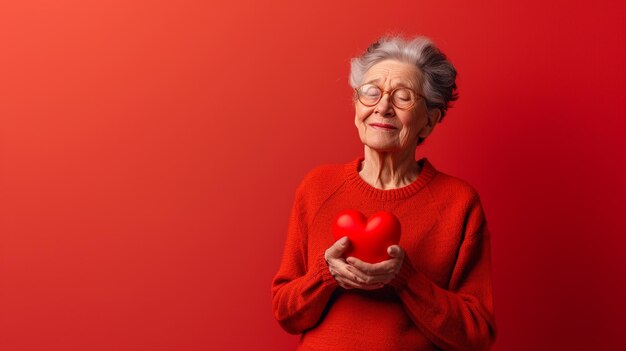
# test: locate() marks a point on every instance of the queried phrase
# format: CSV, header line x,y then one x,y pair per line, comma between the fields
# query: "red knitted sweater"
x,y
442,299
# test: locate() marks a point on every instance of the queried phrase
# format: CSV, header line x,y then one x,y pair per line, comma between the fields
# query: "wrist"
x,y
402,277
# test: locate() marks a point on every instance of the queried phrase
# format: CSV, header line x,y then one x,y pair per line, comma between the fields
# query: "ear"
x,y
433,116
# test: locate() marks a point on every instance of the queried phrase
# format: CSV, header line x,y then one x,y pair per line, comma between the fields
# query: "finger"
x,y
371,286
356,275
370,279
344,283
350,284
384,267
363,277
337,249
341,269
347,276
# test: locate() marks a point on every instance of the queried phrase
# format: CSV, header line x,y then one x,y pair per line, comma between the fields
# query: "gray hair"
x,y
438,75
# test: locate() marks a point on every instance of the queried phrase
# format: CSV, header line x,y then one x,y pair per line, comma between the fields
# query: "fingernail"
x,y
343,240
350,260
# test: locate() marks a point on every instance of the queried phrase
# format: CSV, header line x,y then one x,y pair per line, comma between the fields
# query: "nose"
x,y
384,106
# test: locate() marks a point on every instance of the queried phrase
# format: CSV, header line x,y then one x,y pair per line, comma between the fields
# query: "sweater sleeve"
x,y
462,316
300,291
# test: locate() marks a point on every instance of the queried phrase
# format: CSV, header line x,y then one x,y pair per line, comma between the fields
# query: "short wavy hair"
x,y
438,75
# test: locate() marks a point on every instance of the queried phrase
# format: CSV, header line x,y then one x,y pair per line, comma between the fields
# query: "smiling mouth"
x,y
383,126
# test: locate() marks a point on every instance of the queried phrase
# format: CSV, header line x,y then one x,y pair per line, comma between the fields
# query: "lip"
x,y
383,126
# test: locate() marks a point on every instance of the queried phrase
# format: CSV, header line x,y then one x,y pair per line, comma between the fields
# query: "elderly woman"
x,y
434,292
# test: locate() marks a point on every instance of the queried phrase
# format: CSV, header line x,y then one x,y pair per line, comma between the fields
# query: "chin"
x,y
382,147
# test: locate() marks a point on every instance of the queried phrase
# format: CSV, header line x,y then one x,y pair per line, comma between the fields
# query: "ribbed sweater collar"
x,y
354,180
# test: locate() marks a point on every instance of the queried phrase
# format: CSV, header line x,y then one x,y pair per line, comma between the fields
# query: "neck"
x,y
388,170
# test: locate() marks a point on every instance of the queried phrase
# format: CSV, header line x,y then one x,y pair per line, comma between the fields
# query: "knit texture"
x,y
442,299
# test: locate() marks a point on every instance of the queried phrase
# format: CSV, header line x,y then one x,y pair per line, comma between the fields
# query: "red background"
x,y
150,151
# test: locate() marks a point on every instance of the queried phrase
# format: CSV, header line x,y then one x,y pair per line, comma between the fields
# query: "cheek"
x,y
412,122
411,125
361,113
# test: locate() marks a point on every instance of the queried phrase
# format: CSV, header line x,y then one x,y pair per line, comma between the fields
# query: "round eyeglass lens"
x,y
369,94
403,97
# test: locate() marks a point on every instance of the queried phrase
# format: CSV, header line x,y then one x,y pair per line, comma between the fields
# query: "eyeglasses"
x,y
401,97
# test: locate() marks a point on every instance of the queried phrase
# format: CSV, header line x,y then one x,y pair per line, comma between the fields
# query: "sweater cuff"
x,y
321,268
406,272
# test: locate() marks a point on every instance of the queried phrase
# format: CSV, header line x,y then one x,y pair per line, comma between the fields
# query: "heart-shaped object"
x,y
369,238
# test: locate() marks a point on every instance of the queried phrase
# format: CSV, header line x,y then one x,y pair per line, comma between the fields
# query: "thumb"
x,y
394,251
339,247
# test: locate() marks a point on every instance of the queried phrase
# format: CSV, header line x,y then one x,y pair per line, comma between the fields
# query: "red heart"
x,y
369,238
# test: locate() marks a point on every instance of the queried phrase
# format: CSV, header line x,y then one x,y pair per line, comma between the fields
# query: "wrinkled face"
x,y
384,127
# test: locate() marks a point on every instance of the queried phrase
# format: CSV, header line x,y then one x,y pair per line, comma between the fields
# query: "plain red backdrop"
x,y
150,151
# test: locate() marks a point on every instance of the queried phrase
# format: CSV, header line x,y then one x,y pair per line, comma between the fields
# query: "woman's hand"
x,y
341,271
377,273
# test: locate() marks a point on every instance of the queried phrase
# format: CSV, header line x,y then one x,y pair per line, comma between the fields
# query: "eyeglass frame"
x,y
356,91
